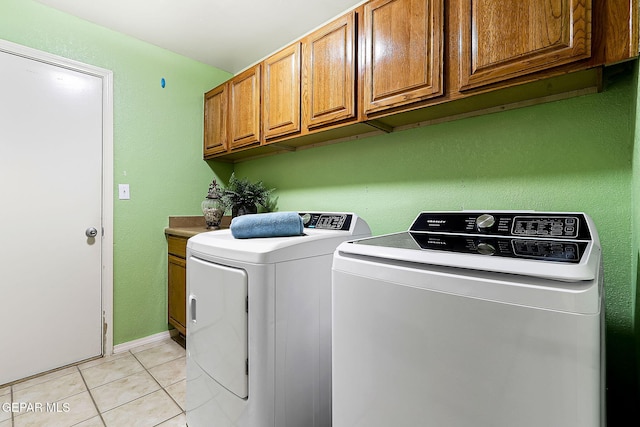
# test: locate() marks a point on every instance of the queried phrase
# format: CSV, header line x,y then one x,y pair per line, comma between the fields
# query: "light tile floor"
x,y
143,387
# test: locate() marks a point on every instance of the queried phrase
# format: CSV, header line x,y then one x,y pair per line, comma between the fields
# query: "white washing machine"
x,y
471,319
259,325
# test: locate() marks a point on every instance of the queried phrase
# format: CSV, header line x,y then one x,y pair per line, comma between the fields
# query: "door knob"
x,y
91,232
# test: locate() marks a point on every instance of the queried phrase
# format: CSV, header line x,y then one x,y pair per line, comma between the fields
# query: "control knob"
x,y
485,221
486,249
306,219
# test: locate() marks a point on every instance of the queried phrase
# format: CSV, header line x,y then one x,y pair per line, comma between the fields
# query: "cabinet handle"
x,y
192,307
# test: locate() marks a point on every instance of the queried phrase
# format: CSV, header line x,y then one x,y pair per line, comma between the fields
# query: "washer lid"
x,y
559,246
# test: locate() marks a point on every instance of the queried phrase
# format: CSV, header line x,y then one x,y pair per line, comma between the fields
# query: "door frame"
x,y
107,171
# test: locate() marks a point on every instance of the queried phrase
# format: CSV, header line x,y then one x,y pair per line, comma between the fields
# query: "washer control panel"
x,y
545,250
555,237
529,224
327,221
546,226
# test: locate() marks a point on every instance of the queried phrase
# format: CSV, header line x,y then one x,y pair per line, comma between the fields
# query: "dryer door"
x,y
217,323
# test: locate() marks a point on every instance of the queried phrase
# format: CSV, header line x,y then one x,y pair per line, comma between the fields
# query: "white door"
x,y
51,174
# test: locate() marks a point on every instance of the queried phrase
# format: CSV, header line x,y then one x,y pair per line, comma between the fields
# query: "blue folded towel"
x,y
272,224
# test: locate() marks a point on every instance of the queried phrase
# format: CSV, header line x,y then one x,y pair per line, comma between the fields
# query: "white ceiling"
x,y
228,34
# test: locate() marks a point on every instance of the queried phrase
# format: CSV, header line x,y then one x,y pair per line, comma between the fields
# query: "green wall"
x,y
157,147
635,206
570,155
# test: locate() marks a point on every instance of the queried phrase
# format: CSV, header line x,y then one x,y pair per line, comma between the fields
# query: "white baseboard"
x,y
126,346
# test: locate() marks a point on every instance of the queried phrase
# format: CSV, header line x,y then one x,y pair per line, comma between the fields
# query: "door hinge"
x,y
246,367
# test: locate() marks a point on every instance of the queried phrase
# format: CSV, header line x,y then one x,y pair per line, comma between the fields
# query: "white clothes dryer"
x,y
471,319
259,325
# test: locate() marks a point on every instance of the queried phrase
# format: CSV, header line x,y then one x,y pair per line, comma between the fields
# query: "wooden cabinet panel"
x,y
616,24
505,39
177,292
281,93
177,246
387,63
403,52
328,73
215,121
244,108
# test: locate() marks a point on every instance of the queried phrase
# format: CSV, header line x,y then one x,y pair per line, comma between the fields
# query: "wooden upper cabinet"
x,y
328,73
505,39
244,108
403,42
386,64
616,29
281,93
215,121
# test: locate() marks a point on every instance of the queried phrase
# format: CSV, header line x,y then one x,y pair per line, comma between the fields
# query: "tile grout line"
x,y
162,387
120,355
118,379
100,414
91,396
15,415
144,369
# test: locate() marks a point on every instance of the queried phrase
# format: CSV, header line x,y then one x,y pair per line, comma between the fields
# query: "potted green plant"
x,y
244,196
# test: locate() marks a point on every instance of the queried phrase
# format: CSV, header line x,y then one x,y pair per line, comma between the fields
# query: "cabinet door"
x,y
505,39
215,121
177,293
328,73
244,108
403,52
281,93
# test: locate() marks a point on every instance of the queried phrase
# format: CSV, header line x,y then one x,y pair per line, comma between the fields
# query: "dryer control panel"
x,y
560,237
327,221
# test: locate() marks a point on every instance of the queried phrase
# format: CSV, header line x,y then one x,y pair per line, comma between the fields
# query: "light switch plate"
x,y
123,192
